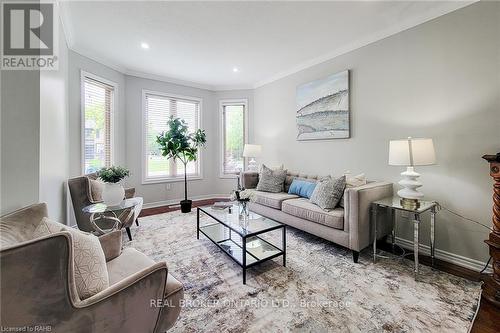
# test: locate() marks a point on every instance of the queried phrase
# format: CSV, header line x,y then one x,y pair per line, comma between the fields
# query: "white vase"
x,y
113,194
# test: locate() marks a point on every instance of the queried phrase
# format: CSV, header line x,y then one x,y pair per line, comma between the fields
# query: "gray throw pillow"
x,y
328,192
271,180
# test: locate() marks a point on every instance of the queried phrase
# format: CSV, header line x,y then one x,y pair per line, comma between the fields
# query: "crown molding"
x,y
168,80
446,8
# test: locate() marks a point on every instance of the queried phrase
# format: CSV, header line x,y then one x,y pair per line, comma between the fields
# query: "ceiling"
x,y
200,43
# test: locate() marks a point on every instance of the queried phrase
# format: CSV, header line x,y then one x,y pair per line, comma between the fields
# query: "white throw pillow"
x,y
91,273
352,181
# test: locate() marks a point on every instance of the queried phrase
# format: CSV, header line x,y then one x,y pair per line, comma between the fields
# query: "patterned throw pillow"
x,y
91,273
271,180
328,192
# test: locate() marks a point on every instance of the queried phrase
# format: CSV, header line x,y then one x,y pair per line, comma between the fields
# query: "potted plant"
x,y
113,192
180,145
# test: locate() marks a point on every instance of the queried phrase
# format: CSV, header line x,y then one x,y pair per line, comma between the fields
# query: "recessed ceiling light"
x,y
235,69
145,45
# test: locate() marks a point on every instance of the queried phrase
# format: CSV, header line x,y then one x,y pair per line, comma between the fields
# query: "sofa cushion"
x,y
271,180
305,209
132,261
273,200
91,274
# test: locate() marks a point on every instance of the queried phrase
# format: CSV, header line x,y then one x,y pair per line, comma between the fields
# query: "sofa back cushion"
x,y
271,180
302,188
290,176
91,274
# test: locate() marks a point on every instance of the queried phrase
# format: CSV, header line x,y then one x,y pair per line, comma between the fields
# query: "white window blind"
x,y
98,109
233,137
158,109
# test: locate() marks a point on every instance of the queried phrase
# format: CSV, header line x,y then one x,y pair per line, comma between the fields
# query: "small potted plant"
x,y
113,192
180,145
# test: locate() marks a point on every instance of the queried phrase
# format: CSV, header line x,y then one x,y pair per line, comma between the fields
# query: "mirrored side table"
x,y
394,204
109,214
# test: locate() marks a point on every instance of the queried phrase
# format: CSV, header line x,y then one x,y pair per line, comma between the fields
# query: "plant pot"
x,y
113,194
186,206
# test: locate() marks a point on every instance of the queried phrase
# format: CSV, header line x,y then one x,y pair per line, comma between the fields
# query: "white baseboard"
x,y
176,201
453,258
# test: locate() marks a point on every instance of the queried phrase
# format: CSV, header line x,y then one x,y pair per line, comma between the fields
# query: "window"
x,y
157,109
233,136
98,104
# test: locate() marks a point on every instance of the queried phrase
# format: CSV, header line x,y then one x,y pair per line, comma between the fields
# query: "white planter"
x,y
113,194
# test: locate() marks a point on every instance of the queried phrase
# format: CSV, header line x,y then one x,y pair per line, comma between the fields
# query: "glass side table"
x,y
101,211
393,204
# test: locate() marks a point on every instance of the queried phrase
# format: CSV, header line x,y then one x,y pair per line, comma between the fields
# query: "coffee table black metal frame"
x,y
244,236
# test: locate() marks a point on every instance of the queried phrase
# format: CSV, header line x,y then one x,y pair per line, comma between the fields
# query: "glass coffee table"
x,y
246,240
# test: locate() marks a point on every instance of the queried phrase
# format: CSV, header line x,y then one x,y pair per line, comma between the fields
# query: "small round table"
x,y
101,211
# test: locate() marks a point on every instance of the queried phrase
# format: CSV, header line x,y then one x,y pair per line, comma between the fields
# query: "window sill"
x,y
169,180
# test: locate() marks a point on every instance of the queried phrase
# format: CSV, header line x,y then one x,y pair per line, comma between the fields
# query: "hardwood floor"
x,y
171,208
488,317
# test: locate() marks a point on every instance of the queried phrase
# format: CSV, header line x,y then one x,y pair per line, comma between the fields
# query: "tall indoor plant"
x,y
180,145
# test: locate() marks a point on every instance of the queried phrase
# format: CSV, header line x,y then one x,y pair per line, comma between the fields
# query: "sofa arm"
x,y
111,244
357,211
129,192
250,179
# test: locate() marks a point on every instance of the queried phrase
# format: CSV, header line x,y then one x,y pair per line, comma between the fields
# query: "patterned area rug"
x,y
320,290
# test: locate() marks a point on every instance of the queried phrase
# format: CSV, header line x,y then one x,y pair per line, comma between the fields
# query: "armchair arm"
x,y
111,244
129,192
250,179
357,211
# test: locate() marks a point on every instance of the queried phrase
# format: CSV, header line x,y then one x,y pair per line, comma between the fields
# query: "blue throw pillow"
x,y
302,188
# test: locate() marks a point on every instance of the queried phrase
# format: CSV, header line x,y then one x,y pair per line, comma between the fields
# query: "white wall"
x,y
439,80
20,134
54,161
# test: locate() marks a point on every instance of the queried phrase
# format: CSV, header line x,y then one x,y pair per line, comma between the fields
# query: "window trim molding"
x,y
145,180
222,103
85,74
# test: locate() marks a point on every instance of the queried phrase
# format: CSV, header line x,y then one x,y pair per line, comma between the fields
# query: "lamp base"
x,y
411,204
410,185
252,165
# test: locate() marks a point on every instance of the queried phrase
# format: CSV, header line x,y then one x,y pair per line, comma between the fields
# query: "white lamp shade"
x,y
412,152
252,150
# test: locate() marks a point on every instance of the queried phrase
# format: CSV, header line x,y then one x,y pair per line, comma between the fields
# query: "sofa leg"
x,y
355,256
128,233
137,222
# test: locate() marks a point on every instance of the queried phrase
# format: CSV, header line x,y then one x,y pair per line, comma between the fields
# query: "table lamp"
x,y
411,152
252,151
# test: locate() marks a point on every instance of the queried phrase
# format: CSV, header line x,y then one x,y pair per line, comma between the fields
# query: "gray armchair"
x,y
40,291
81,196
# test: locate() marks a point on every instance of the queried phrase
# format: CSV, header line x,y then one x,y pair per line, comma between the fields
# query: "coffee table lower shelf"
x,y
256,249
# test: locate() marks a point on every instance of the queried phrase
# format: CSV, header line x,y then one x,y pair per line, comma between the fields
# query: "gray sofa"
x,y
348,226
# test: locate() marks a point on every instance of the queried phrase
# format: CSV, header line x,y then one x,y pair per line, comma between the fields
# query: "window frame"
x,y
168,179
222,104
83,75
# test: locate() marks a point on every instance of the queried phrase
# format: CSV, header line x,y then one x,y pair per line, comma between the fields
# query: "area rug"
x,y
320,289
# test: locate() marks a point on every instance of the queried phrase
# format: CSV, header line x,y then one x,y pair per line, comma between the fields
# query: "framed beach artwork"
x,y
323,108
